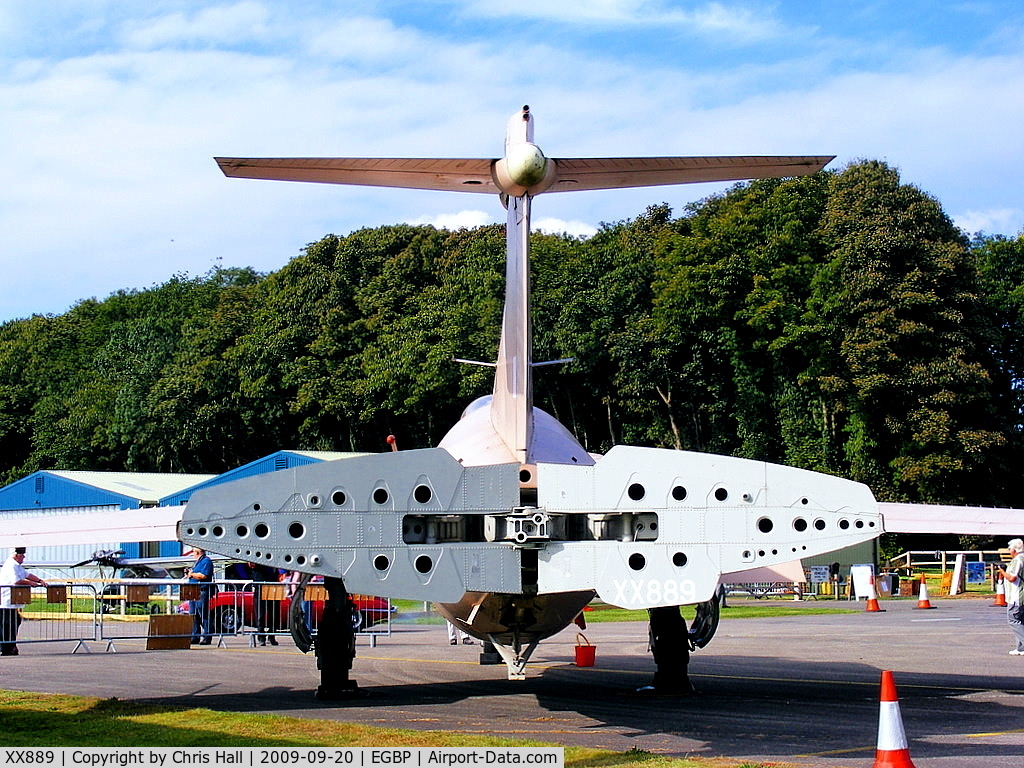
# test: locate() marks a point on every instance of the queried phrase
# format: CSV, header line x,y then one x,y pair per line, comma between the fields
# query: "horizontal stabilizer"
x,y
406,173
475,175
622,172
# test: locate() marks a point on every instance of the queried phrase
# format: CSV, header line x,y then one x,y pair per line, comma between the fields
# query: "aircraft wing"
x,y
475,175
940,518
150,524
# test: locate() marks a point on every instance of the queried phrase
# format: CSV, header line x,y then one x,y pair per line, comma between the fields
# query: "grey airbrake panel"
x,y
358,519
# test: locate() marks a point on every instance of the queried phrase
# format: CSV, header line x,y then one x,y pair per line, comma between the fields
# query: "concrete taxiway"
x,y
801,690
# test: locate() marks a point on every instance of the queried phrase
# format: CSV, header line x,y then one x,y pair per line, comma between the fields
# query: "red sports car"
x,y
231,609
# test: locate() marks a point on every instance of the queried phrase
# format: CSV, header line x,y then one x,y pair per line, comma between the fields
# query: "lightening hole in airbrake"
x,y
381,562
721,494
844,524
819,524
525,475
241,531
678,493
296,530
422,494
202,531
636,491
256,507
338,497
301,559
218,531
380,496
679,559
261,530
424,564
637,561
800,524
765,525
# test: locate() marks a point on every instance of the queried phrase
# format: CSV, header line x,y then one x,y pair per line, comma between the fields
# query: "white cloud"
x,y
229,24
1007,221
553,226
456,221
731,23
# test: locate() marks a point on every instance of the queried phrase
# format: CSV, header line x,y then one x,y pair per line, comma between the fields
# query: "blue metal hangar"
x,y
68,511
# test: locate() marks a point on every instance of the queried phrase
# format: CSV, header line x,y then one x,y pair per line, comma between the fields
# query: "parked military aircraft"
x,y
510,526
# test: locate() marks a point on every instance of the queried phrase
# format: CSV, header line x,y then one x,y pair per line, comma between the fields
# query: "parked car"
x,y
231,609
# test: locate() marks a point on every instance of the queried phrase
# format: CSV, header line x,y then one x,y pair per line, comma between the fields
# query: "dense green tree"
x,y
838,322
901,303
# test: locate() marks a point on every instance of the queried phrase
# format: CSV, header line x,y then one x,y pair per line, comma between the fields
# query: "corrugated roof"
x,y
144,486
327,455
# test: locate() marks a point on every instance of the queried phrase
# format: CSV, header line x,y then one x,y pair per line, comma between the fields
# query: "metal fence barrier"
x,y
107,610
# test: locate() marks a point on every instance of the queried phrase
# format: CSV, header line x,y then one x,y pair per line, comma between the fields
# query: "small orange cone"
x,y
892,750
1000,594
922,600
872,604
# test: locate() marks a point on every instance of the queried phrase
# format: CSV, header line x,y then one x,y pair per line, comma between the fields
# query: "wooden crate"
x,y
56,594
169,632
274,592
316,592
189,592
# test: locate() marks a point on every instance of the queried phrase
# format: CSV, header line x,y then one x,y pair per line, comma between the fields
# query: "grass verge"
x,y
52,720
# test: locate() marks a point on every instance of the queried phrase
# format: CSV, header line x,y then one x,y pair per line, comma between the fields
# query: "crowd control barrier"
x,y
108,610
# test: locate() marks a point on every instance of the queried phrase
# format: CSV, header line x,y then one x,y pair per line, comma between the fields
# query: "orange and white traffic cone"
x,y
1000,594
922,599
872,604
891,750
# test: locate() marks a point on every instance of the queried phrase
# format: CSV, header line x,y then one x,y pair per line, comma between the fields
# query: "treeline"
x,y
838,322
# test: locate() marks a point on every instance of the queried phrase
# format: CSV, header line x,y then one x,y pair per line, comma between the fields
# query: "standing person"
x,y
1013,578
456,632
268,612
201,574
13,574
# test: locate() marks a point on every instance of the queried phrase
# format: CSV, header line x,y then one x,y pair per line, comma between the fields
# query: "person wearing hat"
x,y
202,574
13,574
1013,578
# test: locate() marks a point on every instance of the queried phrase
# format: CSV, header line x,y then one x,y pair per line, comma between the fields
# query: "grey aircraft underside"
x,y
510,526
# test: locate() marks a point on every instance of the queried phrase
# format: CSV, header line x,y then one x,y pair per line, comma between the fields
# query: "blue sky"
x,y
113,111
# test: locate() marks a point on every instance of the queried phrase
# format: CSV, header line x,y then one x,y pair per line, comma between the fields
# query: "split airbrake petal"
x,y
944,518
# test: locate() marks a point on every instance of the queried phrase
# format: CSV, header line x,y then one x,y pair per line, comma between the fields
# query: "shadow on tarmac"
x,y
787,708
